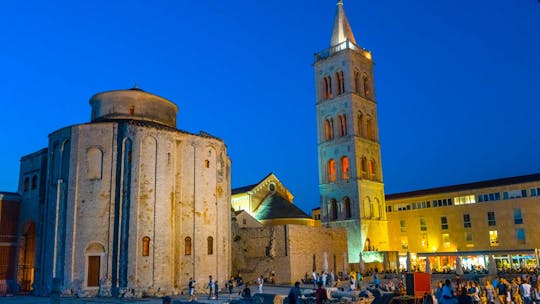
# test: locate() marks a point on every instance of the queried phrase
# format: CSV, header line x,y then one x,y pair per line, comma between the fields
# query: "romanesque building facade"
x,y
126,205
350,172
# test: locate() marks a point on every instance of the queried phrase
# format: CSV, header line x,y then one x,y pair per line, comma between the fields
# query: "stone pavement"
x,y
202,298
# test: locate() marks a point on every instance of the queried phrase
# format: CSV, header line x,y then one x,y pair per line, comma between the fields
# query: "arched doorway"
x,y
27,256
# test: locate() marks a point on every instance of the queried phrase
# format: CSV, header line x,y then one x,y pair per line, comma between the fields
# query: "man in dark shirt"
x,y
502,288
320,293
294,293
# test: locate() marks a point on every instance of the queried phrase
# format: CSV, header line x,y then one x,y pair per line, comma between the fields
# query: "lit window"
x,y
444,223
187,246
331,169
518,218
145,246
372,169
404,243
493,238
520,235
210,241
446,240
345,168
491,218
424,240
464,200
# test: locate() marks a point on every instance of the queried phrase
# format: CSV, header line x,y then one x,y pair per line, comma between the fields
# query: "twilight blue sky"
x,y
457,82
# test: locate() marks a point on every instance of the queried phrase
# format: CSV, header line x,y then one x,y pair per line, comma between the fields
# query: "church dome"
x,y
134,104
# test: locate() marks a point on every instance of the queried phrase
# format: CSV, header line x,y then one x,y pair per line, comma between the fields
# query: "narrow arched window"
x,y
357,81
364,166
342,120
210,241
328,129
34,182
26,184
207,163
369,128
347,203
340,81
331,169
145,246
334,210
372,169
94,162
187,246
345,168
360,122
327,87
367,91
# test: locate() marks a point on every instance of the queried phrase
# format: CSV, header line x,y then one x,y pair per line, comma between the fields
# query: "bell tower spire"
x,y
342,29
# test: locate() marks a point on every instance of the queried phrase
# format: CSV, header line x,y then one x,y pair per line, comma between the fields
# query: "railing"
x,y
345,45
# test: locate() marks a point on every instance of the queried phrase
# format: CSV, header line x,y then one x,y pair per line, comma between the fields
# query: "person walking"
x,y
210,287
502,289
191,289
216,289
260,282
490,293
294,293
526,292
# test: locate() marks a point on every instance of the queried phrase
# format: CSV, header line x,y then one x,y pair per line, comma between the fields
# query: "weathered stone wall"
x,y
287,250
308,246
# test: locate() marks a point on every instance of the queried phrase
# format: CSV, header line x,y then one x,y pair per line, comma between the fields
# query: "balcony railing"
x,y
345,45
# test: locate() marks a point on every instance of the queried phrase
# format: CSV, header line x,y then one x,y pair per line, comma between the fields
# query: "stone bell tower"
x,y
349,152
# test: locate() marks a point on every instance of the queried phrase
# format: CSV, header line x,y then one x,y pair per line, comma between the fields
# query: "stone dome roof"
x,y
134,104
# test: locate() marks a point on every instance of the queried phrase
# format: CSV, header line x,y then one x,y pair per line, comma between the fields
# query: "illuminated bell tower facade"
x,y
350,172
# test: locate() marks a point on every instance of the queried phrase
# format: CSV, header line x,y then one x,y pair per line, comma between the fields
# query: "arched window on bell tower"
x,y
360,123
364,166
327,87
347,203
333,209
357,87
340,81
344,168
331,170
369,128
367,90
328,128
342,120
372,169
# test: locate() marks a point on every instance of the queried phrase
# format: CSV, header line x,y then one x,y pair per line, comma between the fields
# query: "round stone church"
x,y
130,205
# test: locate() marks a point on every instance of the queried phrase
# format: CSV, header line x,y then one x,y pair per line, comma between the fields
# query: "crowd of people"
x,y
519,290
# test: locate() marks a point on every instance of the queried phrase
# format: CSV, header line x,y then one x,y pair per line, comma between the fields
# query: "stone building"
x,y
350,171
274,238
127,204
